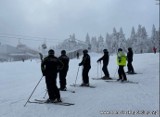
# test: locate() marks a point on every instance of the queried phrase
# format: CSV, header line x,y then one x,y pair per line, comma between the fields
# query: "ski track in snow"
x,y
19,78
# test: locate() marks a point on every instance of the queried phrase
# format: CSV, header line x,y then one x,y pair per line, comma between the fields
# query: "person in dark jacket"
x,y
50,66
86,63
105,59
130,60
63,72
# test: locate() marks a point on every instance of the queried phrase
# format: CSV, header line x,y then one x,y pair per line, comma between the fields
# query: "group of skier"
x,y
51,66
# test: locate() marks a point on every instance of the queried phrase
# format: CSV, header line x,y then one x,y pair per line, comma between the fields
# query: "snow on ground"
x,y
108,99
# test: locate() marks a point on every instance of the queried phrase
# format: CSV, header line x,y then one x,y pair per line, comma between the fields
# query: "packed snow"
x,y
108,99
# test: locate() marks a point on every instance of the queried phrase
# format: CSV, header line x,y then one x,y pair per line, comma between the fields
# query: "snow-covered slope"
x,y
18,79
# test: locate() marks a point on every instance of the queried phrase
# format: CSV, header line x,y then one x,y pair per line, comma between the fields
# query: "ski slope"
x,y
108,99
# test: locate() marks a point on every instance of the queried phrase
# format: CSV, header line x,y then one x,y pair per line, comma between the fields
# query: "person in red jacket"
x,y
154,49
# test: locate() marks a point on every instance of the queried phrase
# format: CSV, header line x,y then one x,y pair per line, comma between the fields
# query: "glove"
x,y
43,73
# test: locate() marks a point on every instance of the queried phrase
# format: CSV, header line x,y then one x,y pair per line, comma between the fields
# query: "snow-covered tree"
x,y
155,38
108,42
88,42
94,44
100,43
122,40
131,42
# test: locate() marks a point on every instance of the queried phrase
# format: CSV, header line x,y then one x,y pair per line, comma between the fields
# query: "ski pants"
x,y
85,76
130,67
62,77
105,71
121,73
53,91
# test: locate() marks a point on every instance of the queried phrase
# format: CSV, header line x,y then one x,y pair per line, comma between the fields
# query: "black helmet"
x,y
63,52
51,52
129,49
120,49
105,50
85,51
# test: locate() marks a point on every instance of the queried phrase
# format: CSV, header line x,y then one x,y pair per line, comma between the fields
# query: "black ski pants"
x,y
62,77
53,91
130,67
121,73
105,70
85,76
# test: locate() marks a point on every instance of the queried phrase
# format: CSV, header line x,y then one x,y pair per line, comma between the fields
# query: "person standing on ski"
x,y
121,61
130,59
63,72
86,63
105,59
50,66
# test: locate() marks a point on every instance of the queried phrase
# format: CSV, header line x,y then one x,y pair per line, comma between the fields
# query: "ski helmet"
x,y
63,52
51,52
120,49
105,50
85,51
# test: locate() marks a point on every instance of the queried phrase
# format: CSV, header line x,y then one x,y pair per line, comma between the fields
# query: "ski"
x,y
102,79
56,102
37,101
132,73
128,81
77,85
72,91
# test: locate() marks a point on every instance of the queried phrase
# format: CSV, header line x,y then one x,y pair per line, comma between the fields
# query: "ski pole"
x,y
33,91
115,72
97,70
77,76
101,70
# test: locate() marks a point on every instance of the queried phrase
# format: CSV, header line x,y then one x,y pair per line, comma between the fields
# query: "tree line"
x,y
138,40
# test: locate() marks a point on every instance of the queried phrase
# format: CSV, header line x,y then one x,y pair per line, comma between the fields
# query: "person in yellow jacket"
x,y
121,61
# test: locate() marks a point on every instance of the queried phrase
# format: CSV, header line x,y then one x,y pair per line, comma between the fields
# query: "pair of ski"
x,y
37,101
114,80
120,81
132,73
78,85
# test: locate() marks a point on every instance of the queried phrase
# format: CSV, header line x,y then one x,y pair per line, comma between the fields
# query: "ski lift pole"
x,y
33,91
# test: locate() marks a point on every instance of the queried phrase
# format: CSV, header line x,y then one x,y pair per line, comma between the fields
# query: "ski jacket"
x,y
65,61
105,59
50,65
130,56
121,58
86,62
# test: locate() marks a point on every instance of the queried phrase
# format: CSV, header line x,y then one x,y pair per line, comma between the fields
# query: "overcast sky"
x,y
57,19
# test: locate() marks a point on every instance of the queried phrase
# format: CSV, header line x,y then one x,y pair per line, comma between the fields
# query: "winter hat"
x,y
85,51
120,49
51,52
105,50
63,52
129,49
